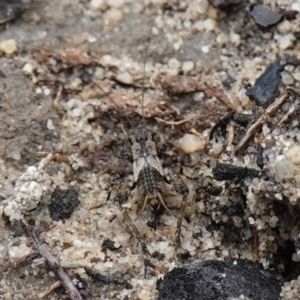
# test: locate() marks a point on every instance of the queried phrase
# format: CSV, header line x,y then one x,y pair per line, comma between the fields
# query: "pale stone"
x,y
98,4
173,63
18,251
114,15
188,66
50,125
115,3
27,68
190,143
9,46
293,154
125,78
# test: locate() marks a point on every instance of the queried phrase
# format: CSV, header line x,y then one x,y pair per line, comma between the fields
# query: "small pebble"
x,y
251,221
216,149
115,3
187,66
293,155
114,15
142,296
284,41
9,46
286,78
213,13
285,27
173,63
296,6
210,24
18,251
50,125
235,38
31,16
296,76
28,68
190,143
125,78
98,5
205,48
15,154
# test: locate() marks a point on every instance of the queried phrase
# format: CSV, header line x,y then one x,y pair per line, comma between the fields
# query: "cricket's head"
x,y
142,144
140,135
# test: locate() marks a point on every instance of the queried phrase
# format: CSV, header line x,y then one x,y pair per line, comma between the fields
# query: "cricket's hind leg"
x,y
132,227
123,193
180,188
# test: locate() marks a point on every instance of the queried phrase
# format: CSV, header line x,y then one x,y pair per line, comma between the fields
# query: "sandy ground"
x,y
49,105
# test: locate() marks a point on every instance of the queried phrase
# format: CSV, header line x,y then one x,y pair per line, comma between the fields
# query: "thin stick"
x,y
193,117
54,266
265,117
156,267
210,92
58,95
286,116
51,289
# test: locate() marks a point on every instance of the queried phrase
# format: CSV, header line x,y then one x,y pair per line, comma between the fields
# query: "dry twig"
x,y
190,118
54,265
264,118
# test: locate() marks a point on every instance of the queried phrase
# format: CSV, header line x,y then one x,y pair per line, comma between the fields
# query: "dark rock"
x,y
264,16
11,9
224,3
2,74
219,280
63,204
265,90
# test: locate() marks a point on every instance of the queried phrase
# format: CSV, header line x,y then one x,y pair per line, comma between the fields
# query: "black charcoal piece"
x,y
230,172
266,89
11,9
111,245
63,204
264,16
219,280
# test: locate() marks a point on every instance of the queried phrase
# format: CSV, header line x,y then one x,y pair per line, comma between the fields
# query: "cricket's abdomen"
x,y
150,182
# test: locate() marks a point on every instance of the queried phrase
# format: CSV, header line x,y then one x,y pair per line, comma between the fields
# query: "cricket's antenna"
x,y
144,70
105,94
